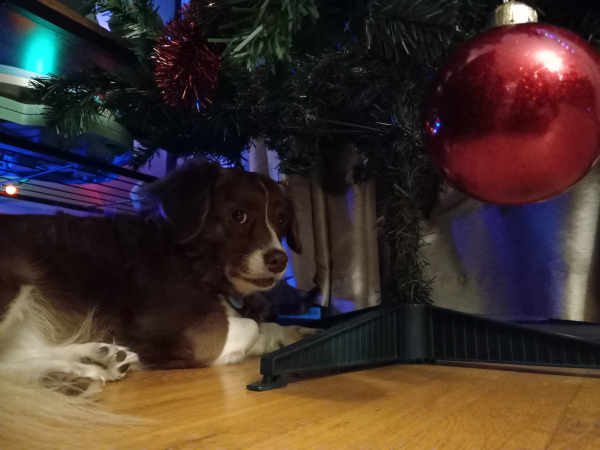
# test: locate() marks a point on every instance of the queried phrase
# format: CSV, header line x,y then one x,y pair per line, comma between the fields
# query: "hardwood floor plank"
x,y
321,412
521,414
579,428
413,407
416,398
240,418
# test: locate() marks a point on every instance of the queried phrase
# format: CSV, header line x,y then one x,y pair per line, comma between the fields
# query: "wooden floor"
x,y
396,407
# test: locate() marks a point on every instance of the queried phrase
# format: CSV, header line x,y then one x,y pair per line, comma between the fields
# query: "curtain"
x,y
339,237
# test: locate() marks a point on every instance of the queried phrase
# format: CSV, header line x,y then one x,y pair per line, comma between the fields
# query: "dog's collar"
x,y
236,300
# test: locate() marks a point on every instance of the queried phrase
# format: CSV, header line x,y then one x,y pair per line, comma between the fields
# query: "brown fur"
x,y
154,284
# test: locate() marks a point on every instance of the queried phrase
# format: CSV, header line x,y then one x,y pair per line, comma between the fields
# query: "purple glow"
x,y
162,211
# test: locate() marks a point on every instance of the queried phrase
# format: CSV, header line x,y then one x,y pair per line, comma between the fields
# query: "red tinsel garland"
x,y
186,69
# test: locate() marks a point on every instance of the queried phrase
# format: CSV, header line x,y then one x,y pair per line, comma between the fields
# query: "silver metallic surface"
x,y
525,262
511,13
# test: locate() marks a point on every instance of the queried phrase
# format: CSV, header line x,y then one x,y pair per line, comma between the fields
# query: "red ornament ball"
x,y
514,116
186,68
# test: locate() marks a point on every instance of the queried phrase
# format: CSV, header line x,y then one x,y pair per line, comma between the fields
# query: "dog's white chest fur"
x,y
245,337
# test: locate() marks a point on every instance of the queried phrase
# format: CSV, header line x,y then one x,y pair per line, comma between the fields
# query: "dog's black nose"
x,y
276,260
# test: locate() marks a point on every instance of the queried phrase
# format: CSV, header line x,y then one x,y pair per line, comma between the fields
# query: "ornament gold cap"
x,y
512,13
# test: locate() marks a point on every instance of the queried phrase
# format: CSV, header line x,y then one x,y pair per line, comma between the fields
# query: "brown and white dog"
x,y
92,298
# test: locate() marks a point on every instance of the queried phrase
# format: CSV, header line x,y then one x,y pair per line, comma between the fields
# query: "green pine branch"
x,y
412,26
591,28
74,99
259,32
132,98
135,20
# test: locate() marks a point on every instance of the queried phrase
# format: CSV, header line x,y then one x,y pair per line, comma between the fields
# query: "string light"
x,y
10,189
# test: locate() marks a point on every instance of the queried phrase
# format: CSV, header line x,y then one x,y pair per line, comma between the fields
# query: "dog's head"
x,y
243,215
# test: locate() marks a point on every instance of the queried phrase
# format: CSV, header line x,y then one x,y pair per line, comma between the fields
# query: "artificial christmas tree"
x,y
307,76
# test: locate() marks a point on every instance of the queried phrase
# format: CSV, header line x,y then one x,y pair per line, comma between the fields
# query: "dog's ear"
x,y
183,197
292,234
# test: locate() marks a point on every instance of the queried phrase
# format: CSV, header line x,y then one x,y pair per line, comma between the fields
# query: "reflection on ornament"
x,y
550,61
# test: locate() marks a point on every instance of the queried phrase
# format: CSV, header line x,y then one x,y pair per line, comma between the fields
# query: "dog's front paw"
x,y
273,337
293,334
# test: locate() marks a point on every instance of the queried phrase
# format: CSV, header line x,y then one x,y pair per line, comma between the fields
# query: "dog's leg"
x,y
273,336
26,351
76,369
65,377
72,369
110,362
241,336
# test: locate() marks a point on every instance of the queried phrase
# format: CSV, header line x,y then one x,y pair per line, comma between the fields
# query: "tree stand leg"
x,y
268,383
404,333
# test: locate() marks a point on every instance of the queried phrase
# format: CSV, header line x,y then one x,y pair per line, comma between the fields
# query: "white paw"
x,y
231,358
295,333
273,336
114,360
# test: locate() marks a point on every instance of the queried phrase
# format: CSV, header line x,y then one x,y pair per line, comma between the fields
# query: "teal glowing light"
x,y
40,52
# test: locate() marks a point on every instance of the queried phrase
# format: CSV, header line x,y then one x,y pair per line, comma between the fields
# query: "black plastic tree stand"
x,y
412,334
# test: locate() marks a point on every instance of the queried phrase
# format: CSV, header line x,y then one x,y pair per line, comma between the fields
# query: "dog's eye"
x,y
239,216
281,221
